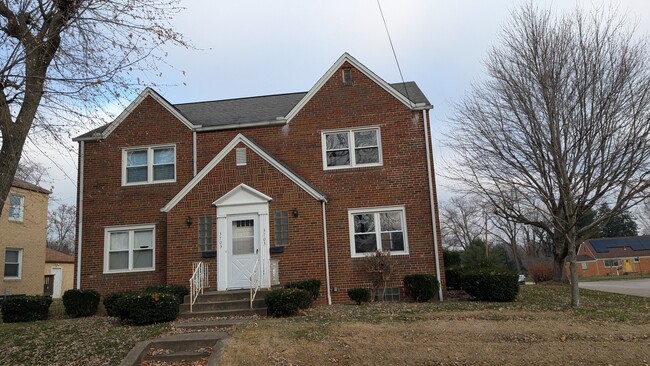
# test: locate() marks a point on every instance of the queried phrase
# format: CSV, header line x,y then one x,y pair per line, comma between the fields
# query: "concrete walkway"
x,y
640,287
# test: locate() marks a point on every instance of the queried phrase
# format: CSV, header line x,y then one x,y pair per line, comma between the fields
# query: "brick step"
x,y
222,305
223,313
200,323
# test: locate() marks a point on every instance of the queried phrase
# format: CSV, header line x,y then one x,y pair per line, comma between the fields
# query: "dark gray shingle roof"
x,y
259,109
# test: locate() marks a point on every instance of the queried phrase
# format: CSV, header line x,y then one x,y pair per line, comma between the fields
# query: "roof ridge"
x,y
240,98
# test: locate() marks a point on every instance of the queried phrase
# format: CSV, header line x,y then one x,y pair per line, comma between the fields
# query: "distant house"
x,y
23,226
612,256
61,267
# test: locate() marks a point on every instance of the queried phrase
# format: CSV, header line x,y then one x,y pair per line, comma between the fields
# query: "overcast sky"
x,y
249,48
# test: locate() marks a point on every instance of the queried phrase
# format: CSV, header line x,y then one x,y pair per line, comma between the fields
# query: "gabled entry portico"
x,y
242,238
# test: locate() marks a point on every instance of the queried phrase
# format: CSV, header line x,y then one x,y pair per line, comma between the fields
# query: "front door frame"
x,y
242,200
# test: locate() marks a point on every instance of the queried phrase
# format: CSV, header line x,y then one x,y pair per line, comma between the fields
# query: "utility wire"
x,y
390,40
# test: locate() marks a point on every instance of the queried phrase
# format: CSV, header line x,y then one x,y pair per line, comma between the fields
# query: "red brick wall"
x,y
108,203
402,180
597,268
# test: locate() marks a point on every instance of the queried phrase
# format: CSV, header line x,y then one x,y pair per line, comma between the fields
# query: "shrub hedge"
x,y
421,287
110,301
451,258
311,285
453,278
146,307
359,295
177,290
287,301
80,303
25,308
491,284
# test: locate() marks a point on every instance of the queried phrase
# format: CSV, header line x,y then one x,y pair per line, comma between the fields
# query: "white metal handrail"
x,y
255,282
198,281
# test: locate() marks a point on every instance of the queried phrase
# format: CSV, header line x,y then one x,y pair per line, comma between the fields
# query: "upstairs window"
x,y
351,148
16,207
378,229
149,165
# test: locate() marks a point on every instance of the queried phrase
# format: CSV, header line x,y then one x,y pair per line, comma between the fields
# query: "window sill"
x,y
366,255
148,183
12,279
126,271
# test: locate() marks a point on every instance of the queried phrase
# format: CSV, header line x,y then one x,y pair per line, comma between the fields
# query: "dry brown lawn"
x,y
538,329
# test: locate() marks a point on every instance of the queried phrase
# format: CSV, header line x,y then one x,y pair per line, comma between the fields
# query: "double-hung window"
x,y
378,229
129,249
16,207
351,148
13,261
149,165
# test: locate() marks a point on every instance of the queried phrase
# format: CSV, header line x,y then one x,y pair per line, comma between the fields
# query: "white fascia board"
x,y
147,92
222,154
245,188
358,65
277,121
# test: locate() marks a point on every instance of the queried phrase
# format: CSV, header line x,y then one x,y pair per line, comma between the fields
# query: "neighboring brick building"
x,y
614,256
304,184
23,230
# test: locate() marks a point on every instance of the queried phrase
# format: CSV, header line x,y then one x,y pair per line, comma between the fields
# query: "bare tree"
x,y
509,232
561,122
62,60
32,172
462,221
61,225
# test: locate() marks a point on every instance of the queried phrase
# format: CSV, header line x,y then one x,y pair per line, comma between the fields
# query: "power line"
x,y
390,40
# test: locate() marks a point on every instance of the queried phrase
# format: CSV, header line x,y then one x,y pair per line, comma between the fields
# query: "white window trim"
x,y
20,264
353,211
21,213
636,260
350,132
107,238
149,149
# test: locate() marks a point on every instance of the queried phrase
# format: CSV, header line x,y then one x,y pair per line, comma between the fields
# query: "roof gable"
x,y
259,151
363,69
102,133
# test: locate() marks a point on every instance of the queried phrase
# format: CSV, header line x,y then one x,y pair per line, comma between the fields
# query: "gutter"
x,y
80,211
278,121
431,201
194,153
327,262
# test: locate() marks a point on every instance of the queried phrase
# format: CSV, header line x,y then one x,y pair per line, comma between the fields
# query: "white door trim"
x,y
242,200
57,282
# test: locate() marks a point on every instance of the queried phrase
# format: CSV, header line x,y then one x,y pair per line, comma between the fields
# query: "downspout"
x,y
80,211
194,152
327,261
431,201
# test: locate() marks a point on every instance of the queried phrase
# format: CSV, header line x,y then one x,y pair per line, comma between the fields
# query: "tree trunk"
x,y
575,291
559,259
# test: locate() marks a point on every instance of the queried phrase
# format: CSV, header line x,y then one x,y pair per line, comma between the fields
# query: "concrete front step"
x,y
223,313
215,296
210,323
181,347
222,305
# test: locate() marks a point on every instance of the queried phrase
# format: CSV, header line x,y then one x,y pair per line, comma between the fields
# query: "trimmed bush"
x,y
311,285
177,290
79,303
25,308
491,284
146,307
421,287
287,301
451,258
453,278
541,271
110,300
359,295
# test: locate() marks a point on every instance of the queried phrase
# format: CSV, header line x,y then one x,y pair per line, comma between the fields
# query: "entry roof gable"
x,y
242,195
299,181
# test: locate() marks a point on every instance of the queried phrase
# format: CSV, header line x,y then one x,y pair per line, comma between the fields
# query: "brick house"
x,y
290,186
23,230
614,256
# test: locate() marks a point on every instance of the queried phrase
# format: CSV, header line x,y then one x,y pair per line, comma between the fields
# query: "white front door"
x,y
243,245
58,279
